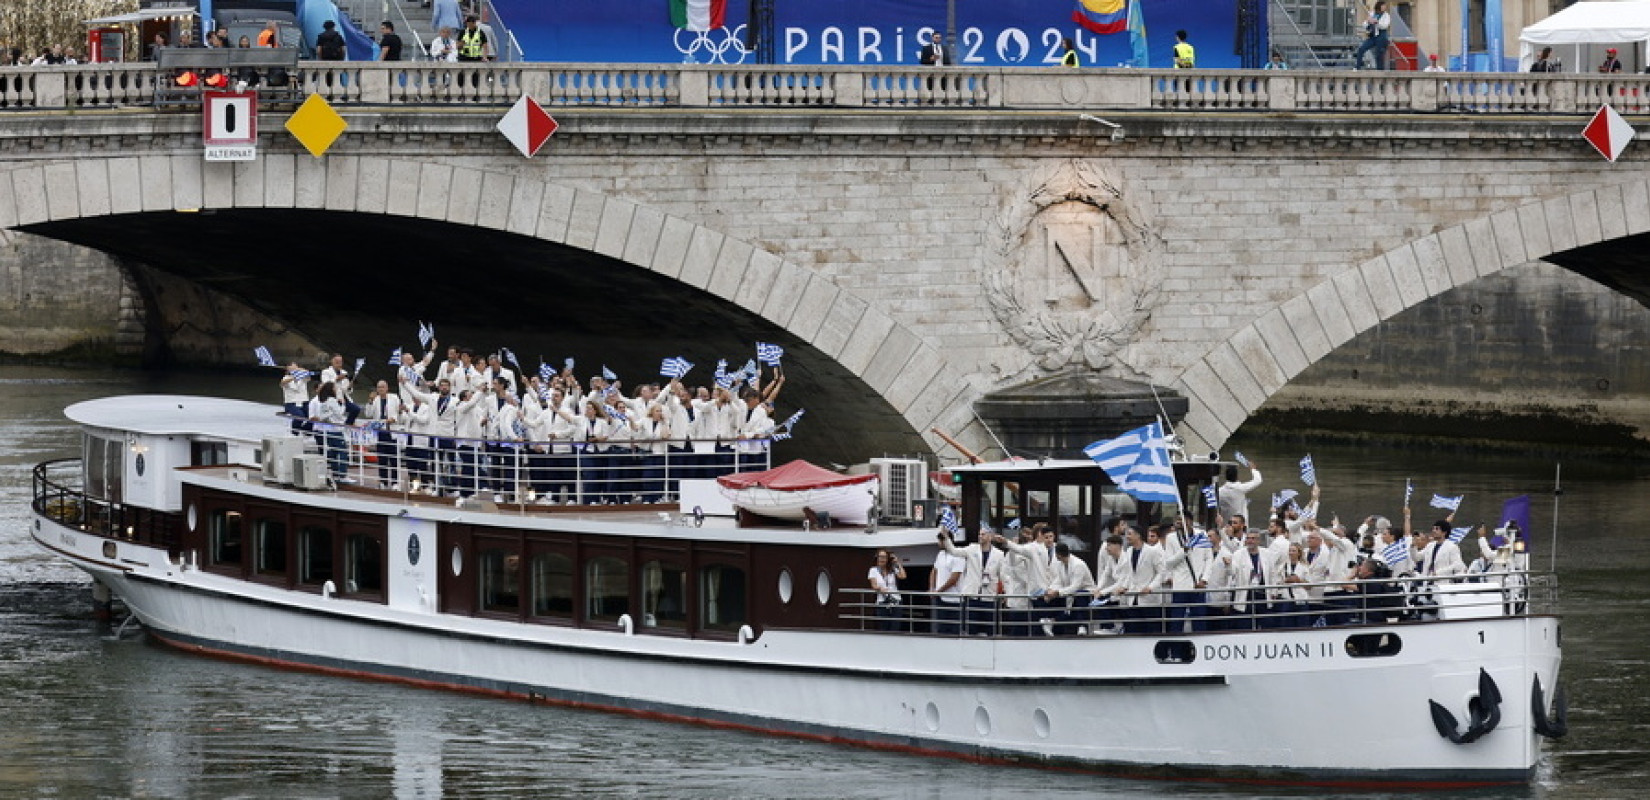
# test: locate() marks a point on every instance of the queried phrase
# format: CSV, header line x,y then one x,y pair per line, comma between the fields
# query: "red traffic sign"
x,y
527,126
1608,133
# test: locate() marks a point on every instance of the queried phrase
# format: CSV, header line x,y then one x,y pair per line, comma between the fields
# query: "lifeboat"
x,y
789,491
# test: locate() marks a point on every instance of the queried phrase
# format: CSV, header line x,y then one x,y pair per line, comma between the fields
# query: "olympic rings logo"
x,y
704,48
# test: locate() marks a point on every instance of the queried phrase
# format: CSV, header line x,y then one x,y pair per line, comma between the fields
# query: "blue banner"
x,y
870,32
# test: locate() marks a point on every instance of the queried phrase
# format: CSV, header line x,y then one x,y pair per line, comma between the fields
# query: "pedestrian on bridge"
x,y
1185,56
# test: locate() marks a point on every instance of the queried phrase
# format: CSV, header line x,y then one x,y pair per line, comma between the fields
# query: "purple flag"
x,y
1517,510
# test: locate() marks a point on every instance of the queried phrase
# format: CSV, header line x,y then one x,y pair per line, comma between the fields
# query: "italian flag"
x,y
698,15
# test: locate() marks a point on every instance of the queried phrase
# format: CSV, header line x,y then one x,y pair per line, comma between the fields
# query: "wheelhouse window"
x,y
208,454
102,462
269,547
722,597
499,578
314,554
664,595
606,588
363,564
224,537
552,585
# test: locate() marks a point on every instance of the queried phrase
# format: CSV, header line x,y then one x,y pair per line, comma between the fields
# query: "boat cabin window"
x,y
606,588
208,454
269,547
224,544
722,593
664,595
498,578
102,460
314,554
552,585
363,563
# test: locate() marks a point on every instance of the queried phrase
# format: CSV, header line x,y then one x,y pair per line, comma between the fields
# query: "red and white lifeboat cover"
x,y
784,491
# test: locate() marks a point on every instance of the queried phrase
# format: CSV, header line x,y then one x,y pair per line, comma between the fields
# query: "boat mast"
x,y
1558,489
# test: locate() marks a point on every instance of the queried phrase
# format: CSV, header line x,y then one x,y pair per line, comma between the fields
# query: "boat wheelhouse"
x,y
690,612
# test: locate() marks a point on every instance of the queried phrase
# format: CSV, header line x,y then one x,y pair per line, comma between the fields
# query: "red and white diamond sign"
x,y
527,126
1608,132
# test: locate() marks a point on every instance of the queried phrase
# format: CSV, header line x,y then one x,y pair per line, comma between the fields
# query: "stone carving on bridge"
x,y
1072,270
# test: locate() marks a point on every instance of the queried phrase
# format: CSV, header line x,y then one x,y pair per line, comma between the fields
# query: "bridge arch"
x,y
1236,376
911,376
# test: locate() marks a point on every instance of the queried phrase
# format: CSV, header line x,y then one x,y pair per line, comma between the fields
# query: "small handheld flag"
x,y
359,363
608,374
302,375
395,358
546,372
264,358
1409,491
567,364
674,367
426,334
1309,475
769,353
1199,539
790,422
1448,503
948,521
1238,456
1211,499
510,356
1395,552
1457,534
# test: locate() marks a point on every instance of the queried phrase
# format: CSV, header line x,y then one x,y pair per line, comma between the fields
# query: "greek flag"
x,y
264,358
546,372
674,367
302,374
1211,497
791,421
1138,462
426,334
1238,456
1309,475
1409,491
750,368
608,374
567,364
755,381
1013,525
359,363
510,356
1284,497
395,358
1199,539
723,379
617,413
769,353
1457,534
948,521
1395,553
1450,503
780,436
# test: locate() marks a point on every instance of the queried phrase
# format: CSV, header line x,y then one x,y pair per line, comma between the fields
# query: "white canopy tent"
x,y
1580,34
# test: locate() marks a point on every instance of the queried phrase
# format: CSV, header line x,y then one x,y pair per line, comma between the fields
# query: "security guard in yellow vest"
x,y
1185,57
472,43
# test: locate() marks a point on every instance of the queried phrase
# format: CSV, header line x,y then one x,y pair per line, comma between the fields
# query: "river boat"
x,y
206,518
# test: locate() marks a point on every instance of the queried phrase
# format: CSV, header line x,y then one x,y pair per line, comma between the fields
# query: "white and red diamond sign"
x,y
1608,132
527,126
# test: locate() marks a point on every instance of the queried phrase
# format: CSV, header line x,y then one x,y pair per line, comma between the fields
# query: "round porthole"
x,y
982,721
458,561
822,587
785,586
189,516
931,717
1039,723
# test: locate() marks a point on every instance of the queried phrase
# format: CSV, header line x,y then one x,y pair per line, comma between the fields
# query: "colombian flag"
x,y
1102,16
698,15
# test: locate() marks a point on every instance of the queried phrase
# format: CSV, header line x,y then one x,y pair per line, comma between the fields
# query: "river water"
x,y
83,714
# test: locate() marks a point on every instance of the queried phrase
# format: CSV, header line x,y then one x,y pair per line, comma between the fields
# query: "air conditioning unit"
x,y
310,471
278,452
904,483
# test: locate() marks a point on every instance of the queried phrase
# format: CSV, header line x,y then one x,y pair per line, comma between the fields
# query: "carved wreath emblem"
x,y
1072,270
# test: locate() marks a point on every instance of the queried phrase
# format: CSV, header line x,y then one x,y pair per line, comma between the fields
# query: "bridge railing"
x,y
893,87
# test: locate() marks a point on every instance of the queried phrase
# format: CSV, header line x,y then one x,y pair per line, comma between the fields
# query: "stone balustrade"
x,y
756,86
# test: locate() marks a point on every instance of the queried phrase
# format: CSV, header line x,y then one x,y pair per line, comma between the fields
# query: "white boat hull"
x,y
1272,706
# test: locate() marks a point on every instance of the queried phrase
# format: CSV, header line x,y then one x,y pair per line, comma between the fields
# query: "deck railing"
x,y
1342,604
420,83
58,495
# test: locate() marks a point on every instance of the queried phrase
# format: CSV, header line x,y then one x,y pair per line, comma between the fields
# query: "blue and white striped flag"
x,y
608,374
359,363
1309,475
790,422
1396,552
674,367
1449,503
1238,456
769,353
1409,491
1457,534
546,372
948,521
780,436
1284,497
510,356
567,364
302,374
264,358
617,413
1013,525
1138,462
426,334
1211,497
750,368
395,358
723,379
1199,539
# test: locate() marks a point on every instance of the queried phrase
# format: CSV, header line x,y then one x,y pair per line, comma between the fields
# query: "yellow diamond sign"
x,y
315,125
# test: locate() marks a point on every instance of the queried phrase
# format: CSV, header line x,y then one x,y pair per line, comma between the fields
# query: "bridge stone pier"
x,y
915,257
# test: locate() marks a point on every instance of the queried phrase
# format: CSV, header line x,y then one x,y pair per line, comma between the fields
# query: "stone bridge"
x,y
920,241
